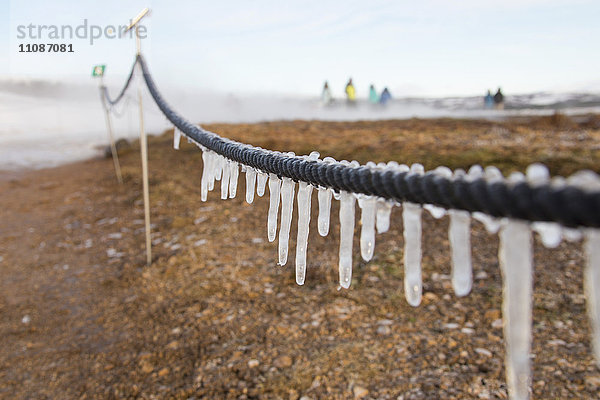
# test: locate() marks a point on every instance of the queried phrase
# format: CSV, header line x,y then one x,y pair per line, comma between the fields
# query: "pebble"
x,y
200,220
253,363
557,342
481,275
283,362
384,330
483,352
497,324
200,242
592,382
163,372
360,392
26,319
451,325
492,314
468,331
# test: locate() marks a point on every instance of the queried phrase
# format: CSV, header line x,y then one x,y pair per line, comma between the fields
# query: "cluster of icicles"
x,y
515,250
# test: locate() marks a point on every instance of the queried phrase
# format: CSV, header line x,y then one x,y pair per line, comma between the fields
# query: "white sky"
x,y
430,47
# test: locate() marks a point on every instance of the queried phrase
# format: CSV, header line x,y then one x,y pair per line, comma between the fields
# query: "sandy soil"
x,y
214,317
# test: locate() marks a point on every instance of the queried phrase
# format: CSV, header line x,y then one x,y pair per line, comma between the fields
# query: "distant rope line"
x,y
125,87
567,205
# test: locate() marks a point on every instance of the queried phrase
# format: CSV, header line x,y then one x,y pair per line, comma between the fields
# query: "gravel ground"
x,y
214,317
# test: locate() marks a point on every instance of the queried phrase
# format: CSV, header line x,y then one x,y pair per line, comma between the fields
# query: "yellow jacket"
x,y
350,92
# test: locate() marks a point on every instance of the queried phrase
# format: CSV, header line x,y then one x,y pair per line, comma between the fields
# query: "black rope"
x,y
125,87
568,205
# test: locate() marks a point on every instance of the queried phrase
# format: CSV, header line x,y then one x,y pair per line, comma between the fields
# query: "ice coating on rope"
x,y
492,225
304,198
384,207
287,206
435,211
176,138
250,184
304,203
234,173
368,205
550,232
324,197
411,215
205,171
225,179
516,264
346,238
274,193
261,183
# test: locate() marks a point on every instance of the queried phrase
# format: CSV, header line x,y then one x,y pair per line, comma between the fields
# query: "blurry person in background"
x,y
373,96
326,98
499,100
385,97
350,93
488,100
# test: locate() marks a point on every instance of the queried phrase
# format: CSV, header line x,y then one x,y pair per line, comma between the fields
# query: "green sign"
x,y
98,70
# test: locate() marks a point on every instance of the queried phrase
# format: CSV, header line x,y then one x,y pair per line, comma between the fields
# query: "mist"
x,y
48,123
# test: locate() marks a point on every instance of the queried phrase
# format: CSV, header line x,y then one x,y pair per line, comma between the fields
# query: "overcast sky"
x,y
433,48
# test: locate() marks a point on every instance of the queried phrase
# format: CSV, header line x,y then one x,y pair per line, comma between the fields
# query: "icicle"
x,y
384,210
225,179
304,199
250,184
219,165
324,210
261,183
516,259
590,182
211,172
324,196
234,173
346,238
435,211
492,225
411,215
274,190
571,234
176,138
206,161
460,244
550,232
368,205
592,286
287,206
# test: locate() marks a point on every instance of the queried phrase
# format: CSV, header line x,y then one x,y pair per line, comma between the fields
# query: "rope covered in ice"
x,y
549,204
123,90
565,204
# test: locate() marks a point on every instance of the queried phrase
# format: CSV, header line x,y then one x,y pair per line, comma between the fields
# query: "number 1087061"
x,y
46,48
